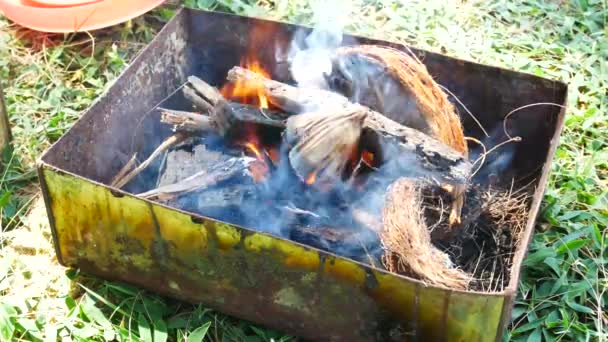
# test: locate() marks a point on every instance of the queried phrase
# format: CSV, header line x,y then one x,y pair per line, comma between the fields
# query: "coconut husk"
x,y
398,85
407,240
432,103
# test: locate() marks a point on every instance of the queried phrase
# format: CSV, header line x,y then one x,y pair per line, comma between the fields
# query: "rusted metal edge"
x,y
41,165
445,313
519,74
133,65
505,316
524,244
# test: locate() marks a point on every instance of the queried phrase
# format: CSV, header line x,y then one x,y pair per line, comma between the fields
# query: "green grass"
x,y
563,292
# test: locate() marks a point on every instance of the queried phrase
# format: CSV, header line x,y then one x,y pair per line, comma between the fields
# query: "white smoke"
x,y
309,56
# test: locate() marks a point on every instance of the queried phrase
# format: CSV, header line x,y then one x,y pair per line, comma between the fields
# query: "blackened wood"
x,y
217,113
232,117
217,201
227,119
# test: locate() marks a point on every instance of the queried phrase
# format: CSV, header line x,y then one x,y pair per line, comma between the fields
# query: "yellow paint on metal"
x,y
345,270
227,236
292,255
258,243
184,237
81,220
396,294
466,313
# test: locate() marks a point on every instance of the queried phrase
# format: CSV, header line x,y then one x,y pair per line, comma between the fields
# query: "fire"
x,y
273,154
368,158
254,149
258,168
248,92
311,178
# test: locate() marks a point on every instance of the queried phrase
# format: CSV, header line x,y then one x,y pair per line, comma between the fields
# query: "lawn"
x,y
50,79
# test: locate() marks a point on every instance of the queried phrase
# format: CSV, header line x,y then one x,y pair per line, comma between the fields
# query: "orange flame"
x,y
273,154
250,92
368,158
253,148
258,168
311,178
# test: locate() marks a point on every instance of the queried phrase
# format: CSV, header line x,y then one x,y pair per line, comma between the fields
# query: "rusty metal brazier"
x,y
255,276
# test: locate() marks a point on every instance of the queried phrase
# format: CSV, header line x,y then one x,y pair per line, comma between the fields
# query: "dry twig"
x,y
164,146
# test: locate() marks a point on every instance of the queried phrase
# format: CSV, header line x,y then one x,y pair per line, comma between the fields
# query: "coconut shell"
x,y
398,85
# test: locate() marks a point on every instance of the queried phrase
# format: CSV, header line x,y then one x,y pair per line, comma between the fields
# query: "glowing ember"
x,y
253,148
368,158
273,154
258,170
311,178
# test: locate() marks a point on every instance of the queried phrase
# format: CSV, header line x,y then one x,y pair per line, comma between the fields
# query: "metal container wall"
x,y
255,276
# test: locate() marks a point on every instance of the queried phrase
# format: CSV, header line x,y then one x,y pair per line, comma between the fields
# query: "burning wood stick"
x,y
288,98
440,160
407,240
227,118
432,152
201,180
217,113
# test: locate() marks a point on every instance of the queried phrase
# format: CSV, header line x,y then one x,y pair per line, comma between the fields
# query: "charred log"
x,y
187,160
217,113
